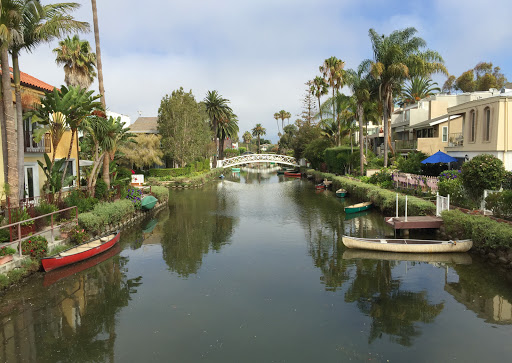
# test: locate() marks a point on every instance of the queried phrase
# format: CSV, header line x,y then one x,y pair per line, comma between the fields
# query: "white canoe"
x,y
407,245
454,258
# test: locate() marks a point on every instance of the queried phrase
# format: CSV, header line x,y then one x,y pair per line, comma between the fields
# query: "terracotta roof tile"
x,y
33,82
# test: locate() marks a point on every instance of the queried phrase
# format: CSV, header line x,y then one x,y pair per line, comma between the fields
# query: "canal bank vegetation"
x,y
384,199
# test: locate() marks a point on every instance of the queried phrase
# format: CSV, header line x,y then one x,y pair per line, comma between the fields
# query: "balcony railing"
x,y
43,146
403,145
456,139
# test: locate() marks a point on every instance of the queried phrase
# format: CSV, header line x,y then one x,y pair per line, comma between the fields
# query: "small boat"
x,y
280,172
407,245
358,207
81,252
341,193
294,174
235,170
148,202
456,258
320,186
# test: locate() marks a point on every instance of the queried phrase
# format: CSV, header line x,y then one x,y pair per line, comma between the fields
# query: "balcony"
x,y
405,145
456,139
43,146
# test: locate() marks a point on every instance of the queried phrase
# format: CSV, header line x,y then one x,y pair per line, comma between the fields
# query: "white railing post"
x,y
448,202
397,205
406,207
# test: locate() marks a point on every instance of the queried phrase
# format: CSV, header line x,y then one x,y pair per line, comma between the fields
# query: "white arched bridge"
x,y
257,158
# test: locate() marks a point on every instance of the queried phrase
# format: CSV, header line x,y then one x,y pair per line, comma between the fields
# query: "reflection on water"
x,y
253,268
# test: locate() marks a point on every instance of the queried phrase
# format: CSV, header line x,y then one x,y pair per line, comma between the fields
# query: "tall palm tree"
x,y
332,70
282,115
360,87
247,138
320,88
277,117
78,61
227,128
110,140
418,88
258,131
10,16
99,66
395,58
216,108
38,24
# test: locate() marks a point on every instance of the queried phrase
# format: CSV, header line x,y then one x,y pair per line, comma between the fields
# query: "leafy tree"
x,y
113,137
484,171
78,61
482,77
417,89
247,138
258,131
332,70
395,58
466,82
286,141
145,151
320,88
305,135
314,151
449,85
183,124
216,108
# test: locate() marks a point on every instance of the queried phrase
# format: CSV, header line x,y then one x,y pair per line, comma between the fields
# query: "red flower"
x,y
31,250
29,242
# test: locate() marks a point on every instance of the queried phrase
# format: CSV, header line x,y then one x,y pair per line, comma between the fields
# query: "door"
x,y
31,181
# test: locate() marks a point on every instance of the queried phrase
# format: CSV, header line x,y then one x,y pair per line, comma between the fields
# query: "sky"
x,y
260,53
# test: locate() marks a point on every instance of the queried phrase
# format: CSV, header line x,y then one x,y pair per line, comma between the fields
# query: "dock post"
x,y
448,206
397,205
406,207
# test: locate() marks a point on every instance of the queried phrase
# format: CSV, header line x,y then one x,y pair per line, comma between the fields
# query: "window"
x,y
472,126
408,116
445,134
487,124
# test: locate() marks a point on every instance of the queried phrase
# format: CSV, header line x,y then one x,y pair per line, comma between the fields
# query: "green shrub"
x,y
78,235
337,159
500,203
229,153
384,175
160,193
36,247
5,251
46,208
81,201
134,195
484,171
411,163
4,235
91,222
198,166
507,182
100,190
450,174
384,199
314,152
484,231
242,149
114,213
21,214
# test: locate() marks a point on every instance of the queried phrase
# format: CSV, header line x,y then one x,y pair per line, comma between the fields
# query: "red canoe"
x,y
81,252
292,174
320,186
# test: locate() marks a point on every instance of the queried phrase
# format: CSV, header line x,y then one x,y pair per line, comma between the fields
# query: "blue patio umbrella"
x,y
439,157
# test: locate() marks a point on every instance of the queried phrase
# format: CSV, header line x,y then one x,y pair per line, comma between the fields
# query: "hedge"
x,y
104,214
337,158
383,198
161,193
176,172
484,231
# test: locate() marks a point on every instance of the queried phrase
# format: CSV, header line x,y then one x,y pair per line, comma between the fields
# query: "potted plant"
x,y
6,254
19,215
78,235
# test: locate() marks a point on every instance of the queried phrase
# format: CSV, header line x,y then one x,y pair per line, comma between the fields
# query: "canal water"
x,y
252,269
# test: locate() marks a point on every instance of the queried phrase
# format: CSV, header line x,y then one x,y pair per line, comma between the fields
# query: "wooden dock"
x,y
414,222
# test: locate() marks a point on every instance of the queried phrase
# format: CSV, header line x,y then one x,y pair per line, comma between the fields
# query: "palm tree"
x,y
216,108
360,87
341,106
258,131
113,136
10,16
395,58
247,138
282,115
78,60
277,117
98,53
227,128
332,70
418,88
320,88
38,24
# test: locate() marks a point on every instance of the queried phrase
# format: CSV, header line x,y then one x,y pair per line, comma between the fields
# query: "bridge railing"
x,y
256,158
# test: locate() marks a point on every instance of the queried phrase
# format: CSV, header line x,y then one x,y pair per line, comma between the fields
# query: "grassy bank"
x,y
384,199
28,267
192,180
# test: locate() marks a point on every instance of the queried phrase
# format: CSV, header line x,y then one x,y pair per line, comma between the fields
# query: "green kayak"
x,y
236,170
358,207
341,193
148,202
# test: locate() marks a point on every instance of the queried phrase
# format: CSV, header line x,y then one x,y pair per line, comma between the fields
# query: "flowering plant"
x,y
5,251
78,235
450,174
36,247
135,196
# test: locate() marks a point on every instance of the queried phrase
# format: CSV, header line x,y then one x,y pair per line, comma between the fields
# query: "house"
x,y
32,89
145,125
485,126
125,119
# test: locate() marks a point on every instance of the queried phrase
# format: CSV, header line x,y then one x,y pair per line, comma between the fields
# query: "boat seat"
x,y
107,238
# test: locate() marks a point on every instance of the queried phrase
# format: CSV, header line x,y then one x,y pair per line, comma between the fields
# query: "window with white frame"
x,y
445,133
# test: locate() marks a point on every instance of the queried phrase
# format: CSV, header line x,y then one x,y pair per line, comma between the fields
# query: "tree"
x,y
332,70
276,116
308,104
395,58
417,89
78,61
449,85
113,137
145,151
258,131
286,141
466,82
247,139
38,24
336,127
98,52
183,124
320,88
282,115
482,77
216,108
227,128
